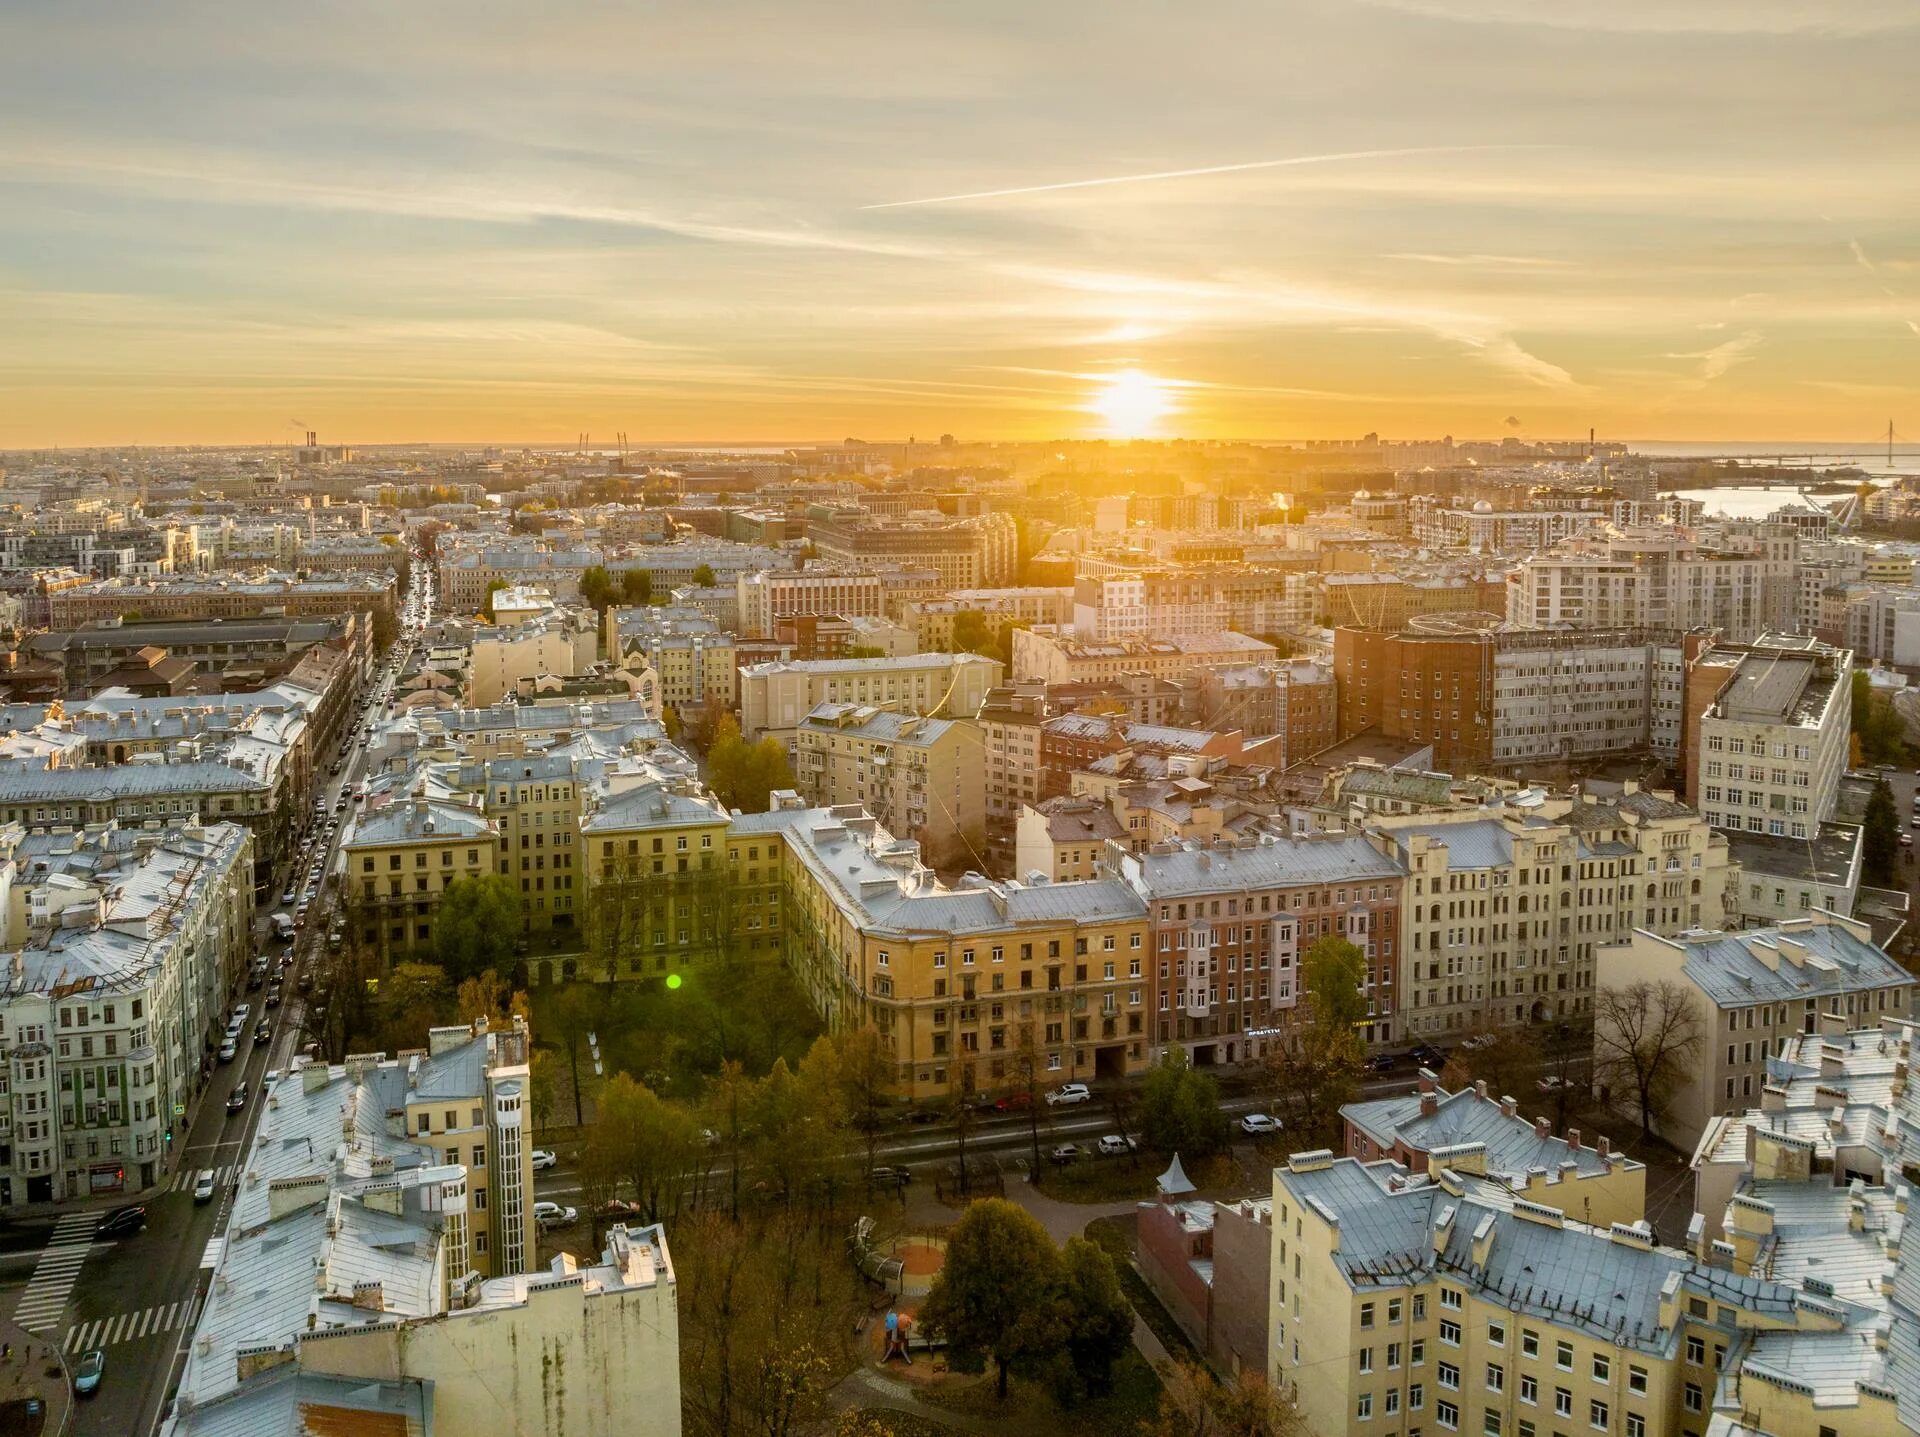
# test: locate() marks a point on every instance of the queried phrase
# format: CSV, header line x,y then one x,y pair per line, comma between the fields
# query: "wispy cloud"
x,y
1341,157
1484,261
1720,358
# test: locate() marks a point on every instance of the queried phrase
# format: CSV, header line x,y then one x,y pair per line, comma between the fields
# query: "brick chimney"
x,y
1429,1102
1508,1107
1602,1146
1480,1088
1541,1128
1425,1080
1573,1139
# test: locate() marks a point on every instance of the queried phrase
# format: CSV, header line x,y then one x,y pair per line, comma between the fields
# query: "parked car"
x,y
543,1158
1479,1041
203,1186
1069,1093
1428,1056
1017,1101
889,1177
616,1209
1553,1083
287,897
1260,1125
1115,1146
1065,1153
237,1099
88,1371
1380,1063
122,1222
552,1214
229,1049
241,1012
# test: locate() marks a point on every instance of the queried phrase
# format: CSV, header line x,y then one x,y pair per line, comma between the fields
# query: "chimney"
x,y
1429,1102
1573,1139
1603,1146
1426,1080
1508,1107
1542,1128
1480,1088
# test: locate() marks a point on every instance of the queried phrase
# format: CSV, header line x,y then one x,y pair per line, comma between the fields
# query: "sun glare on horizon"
x,y
1132,404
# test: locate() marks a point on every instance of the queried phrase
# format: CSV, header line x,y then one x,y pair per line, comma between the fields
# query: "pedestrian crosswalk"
x,y
56,1272
184,1180
132,1326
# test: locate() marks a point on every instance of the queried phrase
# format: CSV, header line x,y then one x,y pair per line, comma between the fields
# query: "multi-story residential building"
x,y
466,572
1506,904
1750,992
764,595
401,1193
932,620
1765,729
1051,657
1070,742
1488,530
233,654
1232,923
123,947
197,597
1655,579
963,984
776,697
535,803
973,552
1879,624
660,881
1588,1181
397,861
1294,698
921,777
1064,839
560,641
1375,600
692,657
1402,1301
1491,702
1010,724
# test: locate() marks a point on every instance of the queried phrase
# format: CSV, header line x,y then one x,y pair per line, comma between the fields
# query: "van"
x,y
283,927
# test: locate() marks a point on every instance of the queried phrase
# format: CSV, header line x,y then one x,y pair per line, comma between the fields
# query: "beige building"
x,y
659,882
1010,725
690,656
921,777
1441,1302
1064,839
1752,992
534,803
766,595
776,697
963,984
397,861
558,641
377,1271
1507,902
1052,657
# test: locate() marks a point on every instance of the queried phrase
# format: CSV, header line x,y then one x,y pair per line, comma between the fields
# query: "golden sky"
x,y
805,220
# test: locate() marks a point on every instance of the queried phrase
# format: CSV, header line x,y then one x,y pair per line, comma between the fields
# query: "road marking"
x,y
124,1327
56,1272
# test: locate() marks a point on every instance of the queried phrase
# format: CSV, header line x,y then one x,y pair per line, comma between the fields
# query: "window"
x,y
1602,1367
1497,1333
1416,1397
1450,1298
1636,1425
1694,1397
1696,1351
1393,1356
1364,1409
1447,1414
1637,1380
1529,1389
1490,1423
1366,1359
1563,1356
1449,1332
1449,1376
1366,1314
1496,1377
1562,1402
1529,1342
1393,1310
1393,1401
1417,1352
1597,1414
1419,1306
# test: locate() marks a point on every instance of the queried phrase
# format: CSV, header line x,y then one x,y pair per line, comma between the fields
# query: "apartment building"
x,y
776,697
961,982
765,595
1376,600
1654,579
1232,922
400,1193
1064,839
1070,742
1487,530
534,803
555,641
1765,728
1295,698
1585,1180
1752,991
691,656
196,597
659,881
1880,624
397,861
238,654
973,552
1405,1301
1051,657
1010,725
466,570
1507,904
922,777
122,948
933,619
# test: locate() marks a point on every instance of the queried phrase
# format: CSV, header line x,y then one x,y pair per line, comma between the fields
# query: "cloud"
x,y
1718,360
1672,17
1484,261
1337,158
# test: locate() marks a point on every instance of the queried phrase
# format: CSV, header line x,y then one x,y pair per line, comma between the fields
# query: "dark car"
x,y
886,1177
263,1030
1018,1101
1380,1063
122,1222
1428,1057
237,1099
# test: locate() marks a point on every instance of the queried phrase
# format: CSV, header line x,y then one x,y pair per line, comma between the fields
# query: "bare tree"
x,y
1646,1037
1028,1070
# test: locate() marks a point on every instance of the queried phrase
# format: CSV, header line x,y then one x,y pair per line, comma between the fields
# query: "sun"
x,y
1132,404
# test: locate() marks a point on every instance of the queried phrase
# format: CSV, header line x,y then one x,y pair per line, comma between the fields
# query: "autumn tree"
x,y
1507,1059
413,998
476,926
1313,1067
997,1299
1179,1109
1646,1038
597,587
744,775
1194,1403
1333,974
703,577
653,1146
863,1077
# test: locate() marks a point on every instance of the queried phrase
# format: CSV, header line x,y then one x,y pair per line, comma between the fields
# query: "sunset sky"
x,y
1664,218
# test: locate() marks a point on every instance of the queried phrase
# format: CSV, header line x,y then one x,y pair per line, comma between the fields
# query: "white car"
x,y
1115,1146
1069,1093
544,1158
1259,1125
551,1214
1065,1153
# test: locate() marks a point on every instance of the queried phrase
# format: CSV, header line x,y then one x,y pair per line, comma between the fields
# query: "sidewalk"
x,y
36,1392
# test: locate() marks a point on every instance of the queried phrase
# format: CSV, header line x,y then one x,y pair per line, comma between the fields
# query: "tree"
x,y
413,998
1332,973
1028,1069
636,586
703,577
745,775
1879,735
865,651
1646,1037
1312,1070
1099,1318
998,1296
1508,1060
1193,1403
863,1078
1180,1109
573,1018
494,586
1880,841
597,588
651,1144
485,995
476,926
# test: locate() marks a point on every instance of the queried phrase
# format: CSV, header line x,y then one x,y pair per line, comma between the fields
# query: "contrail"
x,y
1204,170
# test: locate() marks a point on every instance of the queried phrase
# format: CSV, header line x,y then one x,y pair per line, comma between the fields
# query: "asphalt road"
x,y
137,1297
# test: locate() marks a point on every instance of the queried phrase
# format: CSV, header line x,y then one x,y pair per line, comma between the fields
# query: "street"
x,y
137,1297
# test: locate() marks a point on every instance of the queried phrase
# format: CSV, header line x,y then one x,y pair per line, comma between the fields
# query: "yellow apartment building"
x,y
399,860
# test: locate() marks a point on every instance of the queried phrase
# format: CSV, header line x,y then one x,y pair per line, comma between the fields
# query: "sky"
x,y
1684,219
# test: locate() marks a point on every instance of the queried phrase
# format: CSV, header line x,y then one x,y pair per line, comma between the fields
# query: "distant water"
x,y
1865,456
1753,501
